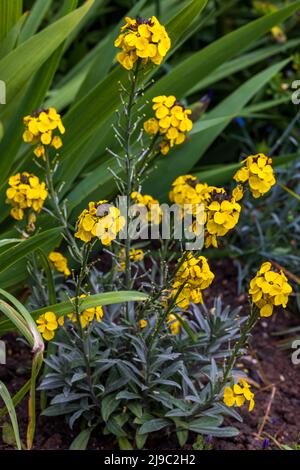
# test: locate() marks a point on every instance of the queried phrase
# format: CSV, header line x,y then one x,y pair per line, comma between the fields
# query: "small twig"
x,y
267,413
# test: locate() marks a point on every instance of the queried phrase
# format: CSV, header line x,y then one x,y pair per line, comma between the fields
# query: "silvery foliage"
x,y
139,391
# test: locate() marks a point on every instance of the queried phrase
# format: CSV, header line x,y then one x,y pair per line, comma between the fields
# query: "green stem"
x,y
249,325
129,185
85,347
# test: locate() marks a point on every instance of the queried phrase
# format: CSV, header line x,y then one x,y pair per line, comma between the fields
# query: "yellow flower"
x,y
47,324
238,192
143,324
238,394
151,126
86,316
195,275
25,192
258,171
222,215
59,262
171,121
135,255
100,220
142,39
154,212
269,288
41,130
174,324
187,190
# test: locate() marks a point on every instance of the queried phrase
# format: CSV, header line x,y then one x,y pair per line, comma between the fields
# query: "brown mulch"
x,y
275,381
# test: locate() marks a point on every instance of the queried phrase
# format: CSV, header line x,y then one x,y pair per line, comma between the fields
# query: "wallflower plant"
x,y
166,364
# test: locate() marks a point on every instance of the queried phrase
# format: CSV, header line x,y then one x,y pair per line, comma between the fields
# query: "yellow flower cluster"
x,y
195,275
171,121
59,262
187,190
222,215
144,39
48,322
40,130
47,325
25,192
151,205
258,171
100,220
238,394
269,288
173,323
86,316
143,323
221,211
135,255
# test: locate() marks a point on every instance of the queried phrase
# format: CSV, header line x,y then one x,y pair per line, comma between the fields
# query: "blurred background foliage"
x,y
233,62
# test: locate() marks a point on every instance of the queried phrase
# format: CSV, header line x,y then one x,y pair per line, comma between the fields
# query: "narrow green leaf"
x,y
16,253
10,12
153,425
4,394
63,308
81,441
35,18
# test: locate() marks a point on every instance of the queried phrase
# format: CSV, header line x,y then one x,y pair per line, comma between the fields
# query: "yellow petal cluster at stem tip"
x,y
59,262
238,394
269,289
100,220
153,212
86,316
47,325
135,255
257,170
143,324
222,215
173,323
43,128
25,192
195,275
142,39
171,120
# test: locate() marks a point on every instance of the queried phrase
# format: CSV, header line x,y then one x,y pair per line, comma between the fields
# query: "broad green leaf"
x,y
64,308
16,253
197,66
108,406
242,63
33,99
7,44
81,441
35,18
18,66
153,425
4,394
124,444
10,12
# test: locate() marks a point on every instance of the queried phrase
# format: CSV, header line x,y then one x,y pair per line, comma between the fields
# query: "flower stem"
x,y
249,325
85,346
129,172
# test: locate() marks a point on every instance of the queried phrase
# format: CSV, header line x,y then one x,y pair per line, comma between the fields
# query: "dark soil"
x,y
275,381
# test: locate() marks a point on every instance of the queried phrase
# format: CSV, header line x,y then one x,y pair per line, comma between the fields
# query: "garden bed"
x,y
269,368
